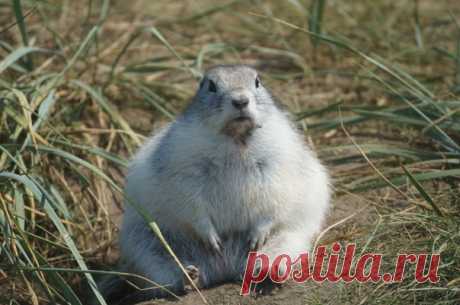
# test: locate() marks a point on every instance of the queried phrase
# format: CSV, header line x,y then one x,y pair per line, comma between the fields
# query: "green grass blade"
x,y
400,180
16,55
391,117
60,203
336,122
422,191
17,7
84,46
19,207
156,101
117,59
315,19
43,112
209,10
118,160
156,33
308,113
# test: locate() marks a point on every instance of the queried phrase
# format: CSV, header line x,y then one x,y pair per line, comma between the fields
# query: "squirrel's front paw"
x,y
194,274
258,237
208,234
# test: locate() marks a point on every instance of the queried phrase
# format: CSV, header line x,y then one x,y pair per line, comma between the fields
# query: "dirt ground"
x,y
227,294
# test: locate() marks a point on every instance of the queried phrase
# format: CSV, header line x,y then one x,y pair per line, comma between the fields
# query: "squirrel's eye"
x,y
257,82
212,86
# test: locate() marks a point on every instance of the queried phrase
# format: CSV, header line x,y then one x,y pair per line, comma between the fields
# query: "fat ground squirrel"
x,y
229,175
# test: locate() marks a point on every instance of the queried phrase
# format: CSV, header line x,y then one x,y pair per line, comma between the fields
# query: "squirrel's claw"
x,y
208,235
215,243
258,237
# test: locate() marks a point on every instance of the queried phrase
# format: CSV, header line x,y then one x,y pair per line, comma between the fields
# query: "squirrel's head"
x,y
232,100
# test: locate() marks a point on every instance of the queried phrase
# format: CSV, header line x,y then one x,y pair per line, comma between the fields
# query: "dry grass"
x,y
375,86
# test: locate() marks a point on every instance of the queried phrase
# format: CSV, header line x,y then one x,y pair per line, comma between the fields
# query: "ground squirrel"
x,y
228,175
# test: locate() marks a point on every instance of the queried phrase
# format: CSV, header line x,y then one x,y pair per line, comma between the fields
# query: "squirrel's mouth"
x,y
242,118
240,128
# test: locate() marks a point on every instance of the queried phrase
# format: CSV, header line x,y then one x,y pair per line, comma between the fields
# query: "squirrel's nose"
x,y
240,103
